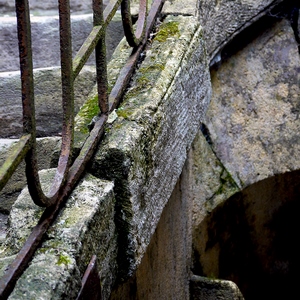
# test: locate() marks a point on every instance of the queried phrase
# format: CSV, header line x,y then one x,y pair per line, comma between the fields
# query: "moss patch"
x,y
86,113
166,30
63,259
124,113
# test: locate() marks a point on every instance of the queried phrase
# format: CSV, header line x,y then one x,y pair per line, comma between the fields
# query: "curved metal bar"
x,y
67,98
24,35
134,38
26,67
16,268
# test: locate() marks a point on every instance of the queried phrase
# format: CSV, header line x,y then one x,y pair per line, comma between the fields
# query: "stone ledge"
x,y
45,39
83,228
213,289
47,100
146,147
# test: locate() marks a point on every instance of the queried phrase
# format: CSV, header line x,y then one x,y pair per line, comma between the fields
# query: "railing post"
x,y
101,65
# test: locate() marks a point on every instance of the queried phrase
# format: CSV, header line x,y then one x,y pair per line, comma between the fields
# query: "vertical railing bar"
x,y
101,65
26,68
67,96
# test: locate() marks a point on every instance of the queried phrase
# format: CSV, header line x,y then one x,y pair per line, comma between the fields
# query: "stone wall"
x,y
163,168
250,168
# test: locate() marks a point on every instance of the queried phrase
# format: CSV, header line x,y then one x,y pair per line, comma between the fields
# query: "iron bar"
x,y
127,71
67,97
101,65
91,288
134,38
26,68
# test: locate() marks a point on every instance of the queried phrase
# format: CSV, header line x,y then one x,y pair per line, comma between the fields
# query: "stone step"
x,y
45,39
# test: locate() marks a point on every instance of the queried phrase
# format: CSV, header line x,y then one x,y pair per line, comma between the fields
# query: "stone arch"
x,y
246,181
251,239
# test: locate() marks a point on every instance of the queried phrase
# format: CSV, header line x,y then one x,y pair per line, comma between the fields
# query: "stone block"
x,y
146,146
256,99
45,39
85,226
48,103
203,288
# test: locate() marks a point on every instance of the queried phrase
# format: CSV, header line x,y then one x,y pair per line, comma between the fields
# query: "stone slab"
x,y
45,39
187,8
203,288
48,101
256,99
84,227
146,146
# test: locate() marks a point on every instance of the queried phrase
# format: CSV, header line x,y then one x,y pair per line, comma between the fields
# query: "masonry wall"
x,y
157,175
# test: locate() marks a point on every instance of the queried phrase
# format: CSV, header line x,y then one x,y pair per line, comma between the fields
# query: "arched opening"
x,y
252,239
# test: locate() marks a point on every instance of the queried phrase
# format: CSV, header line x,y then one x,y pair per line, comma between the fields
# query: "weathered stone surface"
x,y
47,100
164,271
253,125
256,99
9,194
45,39
222,20
145,149
210,181
203,288
188,7
84,227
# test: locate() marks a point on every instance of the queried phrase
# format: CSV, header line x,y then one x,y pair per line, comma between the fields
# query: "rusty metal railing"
x,y
68,173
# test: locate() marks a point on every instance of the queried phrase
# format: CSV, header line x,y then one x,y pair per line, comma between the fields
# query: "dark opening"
x,y
252,239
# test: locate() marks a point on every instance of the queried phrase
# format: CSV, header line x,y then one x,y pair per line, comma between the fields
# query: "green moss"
x,y
145,78
153,67
124,113
143,81
89,109
166,30
63,259
118,125
212,276
226,181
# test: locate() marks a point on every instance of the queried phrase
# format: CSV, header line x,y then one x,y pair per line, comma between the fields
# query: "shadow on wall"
x,y
252,239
